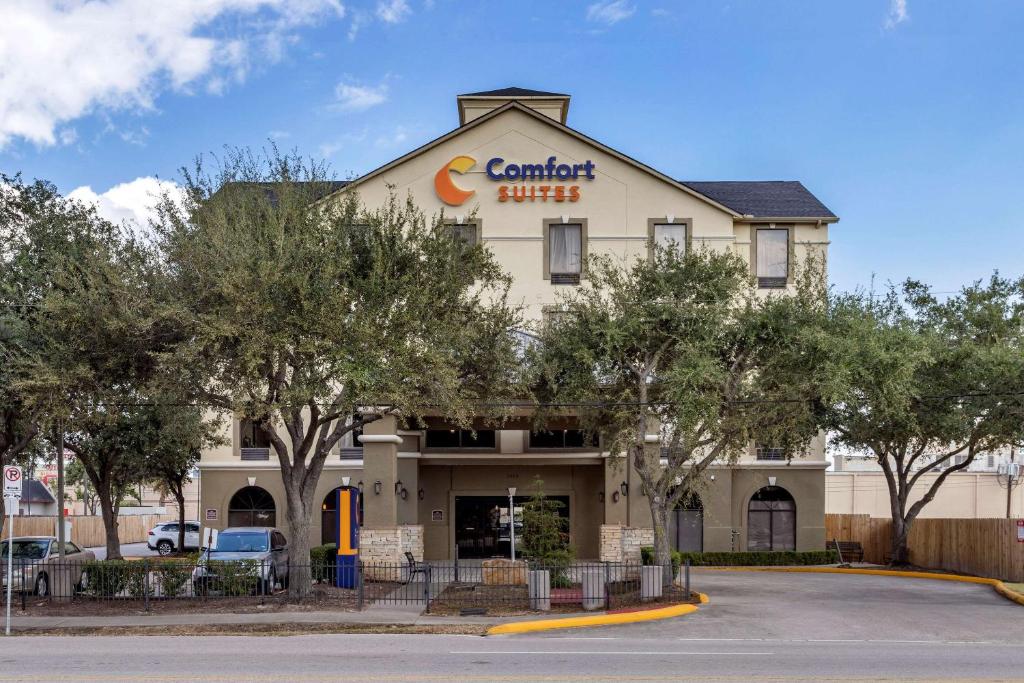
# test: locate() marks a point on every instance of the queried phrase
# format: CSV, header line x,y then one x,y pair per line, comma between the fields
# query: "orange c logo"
x,y
450,193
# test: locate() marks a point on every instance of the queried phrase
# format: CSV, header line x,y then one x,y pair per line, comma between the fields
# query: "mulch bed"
x,y
514,600
324,598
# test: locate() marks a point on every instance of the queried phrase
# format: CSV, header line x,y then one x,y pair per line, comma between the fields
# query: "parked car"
x,y
264,549
164,537
37,568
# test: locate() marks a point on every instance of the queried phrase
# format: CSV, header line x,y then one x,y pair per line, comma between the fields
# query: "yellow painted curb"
x,y
596,619
998,585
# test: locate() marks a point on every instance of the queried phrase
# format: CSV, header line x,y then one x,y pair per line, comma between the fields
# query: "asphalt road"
x,y
758,626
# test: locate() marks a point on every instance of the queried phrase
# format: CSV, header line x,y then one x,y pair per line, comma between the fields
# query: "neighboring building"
x,y
439,492
36,499
858,486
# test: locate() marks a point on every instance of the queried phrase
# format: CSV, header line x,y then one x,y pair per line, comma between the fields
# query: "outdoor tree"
x,y
545,535
182,431
312,316
78,480
33,218
679,363
82,308
926,385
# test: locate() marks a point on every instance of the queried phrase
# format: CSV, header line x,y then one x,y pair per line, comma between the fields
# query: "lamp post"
x,y
512,520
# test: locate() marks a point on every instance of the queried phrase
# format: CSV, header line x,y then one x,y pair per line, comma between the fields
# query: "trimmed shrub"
x,y
322,559
236,577
174,576
772,558
110,578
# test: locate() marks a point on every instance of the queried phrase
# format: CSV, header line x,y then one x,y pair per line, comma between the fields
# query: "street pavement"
x,y
758,626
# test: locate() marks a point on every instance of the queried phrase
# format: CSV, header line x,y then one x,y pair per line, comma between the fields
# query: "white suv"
x,y
163,537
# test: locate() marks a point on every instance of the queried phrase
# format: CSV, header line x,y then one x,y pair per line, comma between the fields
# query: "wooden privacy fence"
x,y
982,547
87,530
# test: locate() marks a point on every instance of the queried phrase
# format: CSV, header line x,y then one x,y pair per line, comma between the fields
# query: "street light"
x,y
512,520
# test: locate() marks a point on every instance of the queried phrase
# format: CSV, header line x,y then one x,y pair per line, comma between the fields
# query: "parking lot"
x,y
837,607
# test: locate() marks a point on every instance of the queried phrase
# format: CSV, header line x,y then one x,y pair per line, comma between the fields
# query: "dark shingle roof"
x,y
767,198
33,490
513,92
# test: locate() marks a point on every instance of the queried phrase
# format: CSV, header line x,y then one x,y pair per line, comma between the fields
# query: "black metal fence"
x,y
467,587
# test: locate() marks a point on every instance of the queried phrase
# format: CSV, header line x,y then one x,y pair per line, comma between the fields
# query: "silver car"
x,y
263,550
38,569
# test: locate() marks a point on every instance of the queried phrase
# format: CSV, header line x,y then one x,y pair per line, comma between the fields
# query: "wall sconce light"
x,y
377,487
624,487
404,493
421,493
359,484
398,486
600,496
615,496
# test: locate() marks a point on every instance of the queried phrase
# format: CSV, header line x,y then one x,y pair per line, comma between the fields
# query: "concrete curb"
x,y
605,619
996,584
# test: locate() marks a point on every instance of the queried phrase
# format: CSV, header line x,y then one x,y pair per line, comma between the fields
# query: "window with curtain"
x,y
772,257
671,235
565,252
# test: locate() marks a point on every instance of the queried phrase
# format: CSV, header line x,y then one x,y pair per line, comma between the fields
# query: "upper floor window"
x,y
461,438
772,256
254,443
665,235
565,246
563,438
467,232
763,452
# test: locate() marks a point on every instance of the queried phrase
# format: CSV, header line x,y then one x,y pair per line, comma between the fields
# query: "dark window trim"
x,y
476,223
582,222
687,224
773,282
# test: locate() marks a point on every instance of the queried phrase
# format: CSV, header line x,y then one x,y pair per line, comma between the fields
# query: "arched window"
x,y
686,525
252,506
771,520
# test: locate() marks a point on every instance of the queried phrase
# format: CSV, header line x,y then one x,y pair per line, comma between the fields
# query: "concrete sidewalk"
x,y
375,616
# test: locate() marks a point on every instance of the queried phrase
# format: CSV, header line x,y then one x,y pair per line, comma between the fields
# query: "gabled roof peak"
x,y
513,92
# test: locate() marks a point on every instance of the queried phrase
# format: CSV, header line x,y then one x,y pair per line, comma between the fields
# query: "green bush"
x,y
109,578
236,577
772,558
174,575
323,561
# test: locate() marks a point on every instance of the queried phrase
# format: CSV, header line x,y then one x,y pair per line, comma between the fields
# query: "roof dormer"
x,y
473,105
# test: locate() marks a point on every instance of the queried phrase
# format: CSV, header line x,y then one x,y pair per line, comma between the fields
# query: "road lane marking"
x,y
610,653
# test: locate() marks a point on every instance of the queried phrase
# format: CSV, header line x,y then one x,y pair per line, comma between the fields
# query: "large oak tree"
x,y
925,384
306,309
680,363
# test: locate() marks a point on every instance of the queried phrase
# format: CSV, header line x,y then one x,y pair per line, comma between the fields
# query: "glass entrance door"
x,y
482,524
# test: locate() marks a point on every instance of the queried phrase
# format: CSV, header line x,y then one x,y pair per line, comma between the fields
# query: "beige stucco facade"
x,y
616,207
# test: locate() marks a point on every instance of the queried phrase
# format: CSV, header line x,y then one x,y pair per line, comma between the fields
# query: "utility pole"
x,y
1009,483
60,488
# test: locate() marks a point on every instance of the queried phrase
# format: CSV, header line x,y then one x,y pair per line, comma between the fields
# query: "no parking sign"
x,y
12,481
1020,531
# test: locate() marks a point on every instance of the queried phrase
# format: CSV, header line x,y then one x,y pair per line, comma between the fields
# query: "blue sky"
x,y
905,118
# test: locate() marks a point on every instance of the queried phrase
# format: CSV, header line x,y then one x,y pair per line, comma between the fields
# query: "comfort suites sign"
x,y
548,181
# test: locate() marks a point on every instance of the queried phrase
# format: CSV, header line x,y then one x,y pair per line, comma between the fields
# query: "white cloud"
x,y
396,137
897,14
63,59
393,11
353,97
132,202
610,12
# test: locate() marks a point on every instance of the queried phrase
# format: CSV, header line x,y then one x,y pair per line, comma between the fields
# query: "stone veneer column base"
x,y
390,545
622,543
